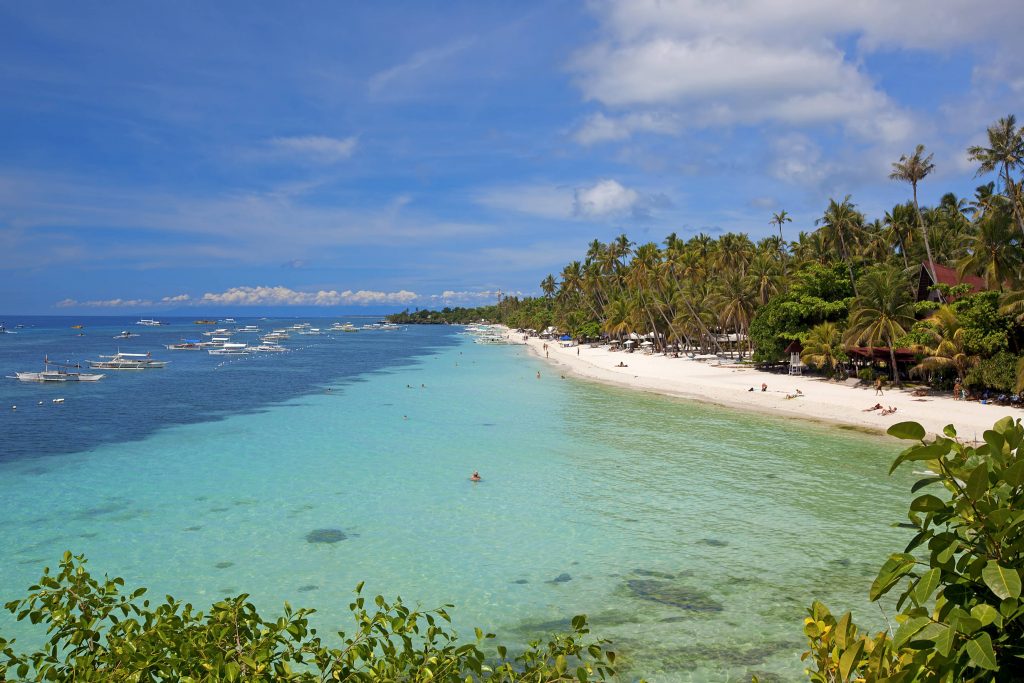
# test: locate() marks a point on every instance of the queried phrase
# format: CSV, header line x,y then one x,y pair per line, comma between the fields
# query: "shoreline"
x,y
821,401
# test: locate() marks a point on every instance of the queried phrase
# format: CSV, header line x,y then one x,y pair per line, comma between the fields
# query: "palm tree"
x,y
616,318
882,312
842,223
1005,152
948,347
736,304
780,218
914,169
824,347
991,253
548,286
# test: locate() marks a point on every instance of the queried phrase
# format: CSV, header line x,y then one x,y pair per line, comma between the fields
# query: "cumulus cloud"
x,y
284,296
601,200
661,65
316,148
605,198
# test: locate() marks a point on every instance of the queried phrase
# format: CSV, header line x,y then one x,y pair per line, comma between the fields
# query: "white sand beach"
x,y
729,385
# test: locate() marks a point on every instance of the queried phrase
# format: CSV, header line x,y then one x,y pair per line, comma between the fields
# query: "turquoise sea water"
x,y
692,535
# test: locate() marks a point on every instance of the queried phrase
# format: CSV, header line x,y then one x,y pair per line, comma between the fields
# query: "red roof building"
x,y
946,276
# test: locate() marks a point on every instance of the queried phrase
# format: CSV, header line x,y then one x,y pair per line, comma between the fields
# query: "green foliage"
x,y
961,617
819,294
998,372
867,374
99,633
986,330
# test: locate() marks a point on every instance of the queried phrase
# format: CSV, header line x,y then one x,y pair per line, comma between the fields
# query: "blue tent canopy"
x,y
565,337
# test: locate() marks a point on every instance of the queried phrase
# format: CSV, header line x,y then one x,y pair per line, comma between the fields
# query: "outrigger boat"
x,y
187,345
59,375
229,349
127,361
149,322
125,334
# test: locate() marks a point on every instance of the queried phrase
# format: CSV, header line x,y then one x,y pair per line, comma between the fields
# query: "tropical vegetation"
x,y
878,281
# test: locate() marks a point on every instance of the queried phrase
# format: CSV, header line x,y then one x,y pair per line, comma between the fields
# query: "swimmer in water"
x,y
475,476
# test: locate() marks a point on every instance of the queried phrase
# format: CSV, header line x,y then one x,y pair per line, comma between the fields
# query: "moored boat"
x,y
61,374
127,361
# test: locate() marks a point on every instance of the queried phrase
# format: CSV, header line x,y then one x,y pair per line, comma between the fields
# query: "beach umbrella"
x,y
647,343
630,342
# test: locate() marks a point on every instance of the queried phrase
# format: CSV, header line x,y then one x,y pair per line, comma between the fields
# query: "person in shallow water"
x,y
475,476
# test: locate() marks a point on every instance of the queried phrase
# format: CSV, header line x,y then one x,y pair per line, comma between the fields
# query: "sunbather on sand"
x,y
877,406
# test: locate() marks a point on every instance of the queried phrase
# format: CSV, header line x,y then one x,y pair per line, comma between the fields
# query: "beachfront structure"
x,y
944,275
796,366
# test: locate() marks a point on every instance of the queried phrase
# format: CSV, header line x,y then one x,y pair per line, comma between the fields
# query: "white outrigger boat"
x,y
59,375
126,334
229,349
127,361
149,322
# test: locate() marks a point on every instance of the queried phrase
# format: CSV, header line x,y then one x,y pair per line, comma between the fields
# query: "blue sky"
x,y
195,155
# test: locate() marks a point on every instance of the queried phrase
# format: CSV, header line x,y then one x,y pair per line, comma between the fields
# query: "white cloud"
x,y
661,65
602,200
605,198
316,148
284,296
416,65
463,297
601,128
104,303
546,201
799,161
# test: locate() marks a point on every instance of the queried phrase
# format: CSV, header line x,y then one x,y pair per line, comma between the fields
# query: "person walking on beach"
x,y
878,387
764,386
956,391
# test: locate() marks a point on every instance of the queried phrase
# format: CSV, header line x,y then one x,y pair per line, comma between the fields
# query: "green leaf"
x,y
908,629
950,431
987,614
944,642
560,664
977,483
848,662
1014,475
927,503
907,430
1002,581
926,585
932,451
894,569
980,651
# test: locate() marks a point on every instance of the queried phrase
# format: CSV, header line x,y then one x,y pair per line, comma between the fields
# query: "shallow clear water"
x,y
692,535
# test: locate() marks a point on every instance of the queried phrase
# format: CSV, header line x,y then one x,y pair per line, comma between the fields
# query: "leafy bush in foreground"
x,y
961,616
99,633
